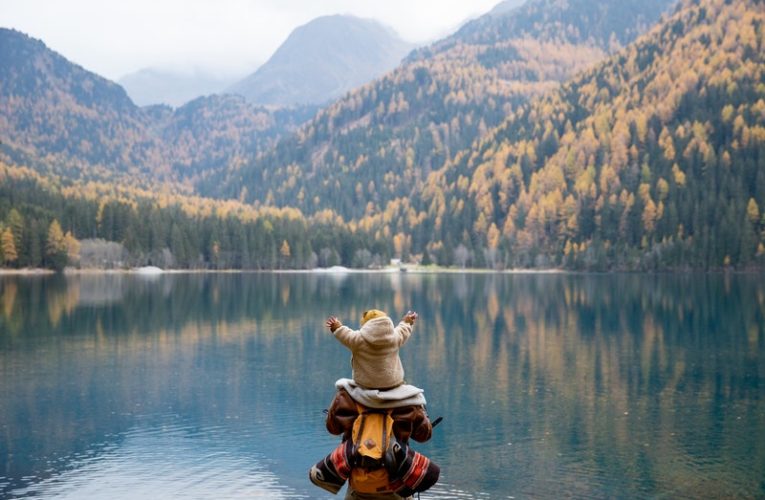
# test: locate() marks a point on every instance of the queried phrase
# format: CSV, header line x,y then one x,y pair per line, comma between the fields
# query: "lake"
x,y
551,385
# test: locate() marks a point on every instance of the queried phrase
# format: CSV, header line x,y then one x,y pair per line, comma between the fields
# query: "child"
x,y
375,361
378,382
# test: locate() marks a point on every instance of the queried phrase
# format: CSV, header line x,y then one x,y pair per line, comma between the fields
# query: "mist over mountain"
x,y
504,7
175,88
59,118
607,25
322,60
385,137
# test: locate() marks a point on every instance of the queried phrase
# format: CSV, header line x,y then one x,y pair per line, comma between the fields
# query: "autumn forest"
x,y
553,136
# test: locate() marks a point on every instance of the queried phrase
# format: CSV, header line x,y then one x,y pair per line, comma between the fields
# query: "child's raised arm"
x,y
349,338
404,328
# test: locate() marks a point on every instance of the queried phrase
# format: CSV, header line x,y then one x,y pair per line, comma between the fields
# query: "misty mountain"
x,y
526,139
504,7
175,88
385,137
59,118
595,23
56,115
652,158
322,60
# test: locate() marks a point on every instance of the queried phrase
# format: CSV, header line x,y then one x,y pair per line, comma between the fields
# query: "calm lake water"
x,y
213,386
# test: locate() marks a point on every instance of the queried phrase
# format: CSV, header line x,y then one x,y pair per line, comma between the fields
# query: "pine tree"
x,y
56,246
33,254
16,224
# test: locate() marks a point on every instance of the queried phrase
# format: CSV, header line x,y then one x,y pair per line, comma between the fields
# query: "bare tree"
x,y
461,255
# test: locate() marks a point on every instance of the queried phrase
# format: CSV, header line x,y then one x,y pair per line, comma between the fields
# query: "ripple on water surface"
x,y
164,462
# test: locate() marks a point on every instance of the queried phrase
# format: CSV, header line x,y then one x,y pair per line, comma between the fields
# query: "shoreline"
x,y
339,270
334,270
37,271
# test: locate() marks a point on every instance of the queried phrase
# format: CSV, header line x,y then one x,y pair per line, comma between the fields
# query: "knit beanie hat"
x,y
371,314
332,472
410,472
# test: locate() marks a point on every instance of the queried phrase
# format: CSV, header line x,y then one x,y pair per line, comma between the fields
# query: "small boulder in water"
x,y
148,270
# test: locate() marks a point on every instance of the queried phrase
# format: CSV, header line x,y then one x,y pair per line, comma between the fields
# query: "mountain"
x,y
213,133
653,159
379,142
322,60
602,24
504,7
175,88
497,152
58,118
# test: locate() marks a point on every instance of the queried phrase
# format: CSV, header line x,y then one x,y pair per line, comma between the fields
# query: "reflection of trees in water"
x,y
68,399
83,357
122,303
11,319
631,374
634,378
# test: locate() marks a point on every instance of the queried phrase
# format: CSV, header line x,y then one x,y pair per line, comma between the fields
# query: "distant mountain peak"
x,y
59,118
323,59
504,7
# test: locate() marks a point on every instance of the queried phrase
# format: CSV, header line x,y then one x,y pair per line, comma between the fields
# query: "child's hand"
x,y
333,323
410,317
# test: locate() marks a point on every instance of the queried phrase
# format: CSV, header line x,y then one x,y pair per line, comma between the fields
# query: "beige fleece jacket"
x,y
375,361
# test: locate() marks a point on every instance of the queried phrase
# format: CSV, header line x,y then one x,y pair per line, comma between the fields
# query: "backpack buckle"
x,y
368,463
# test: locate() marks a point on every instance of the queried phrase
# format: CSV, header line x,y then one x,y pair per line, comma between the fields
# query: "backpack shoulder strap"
x,y
360,429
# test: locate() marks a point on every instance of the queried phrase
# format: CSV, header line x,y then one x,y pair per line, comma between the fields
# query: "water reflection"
x,y
550,385
163,462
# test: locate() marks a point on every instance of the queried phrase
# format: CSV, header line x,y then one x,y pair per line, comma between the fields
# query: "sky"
x,y
228,37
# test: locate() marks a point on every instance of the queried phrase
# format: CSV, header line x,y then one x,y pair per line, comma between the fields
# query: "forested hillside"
x,y
472,153
49,222
653,159
214,133
58,118
380,141
602,24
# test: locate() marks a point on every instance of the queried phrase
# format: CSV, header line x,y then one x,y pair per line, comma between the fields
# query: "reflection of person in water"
x,y
377,388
